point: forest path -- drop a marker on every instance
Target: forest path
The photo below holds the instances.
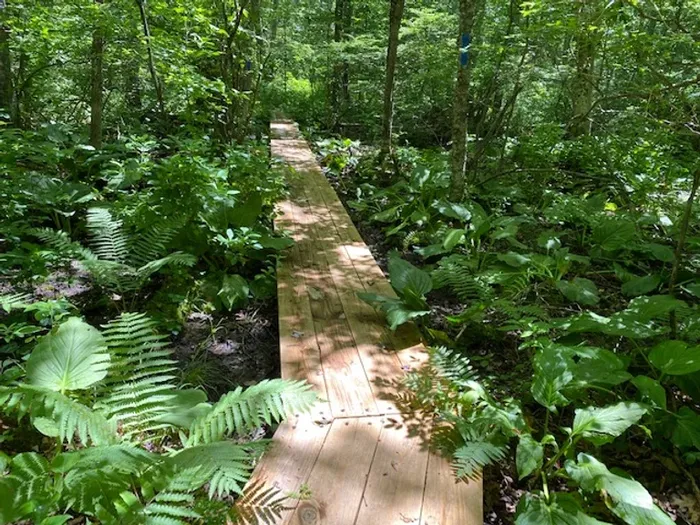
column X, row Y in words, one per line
column 361, row 456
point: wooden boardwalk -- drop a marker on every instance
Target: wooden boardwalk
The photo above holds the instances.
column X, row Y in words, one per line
column 358, row 458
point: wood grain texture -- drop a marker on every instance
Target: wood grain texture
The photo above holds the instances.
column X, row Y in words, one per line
column 338, row 478
column 360, row 457
column 441, row 487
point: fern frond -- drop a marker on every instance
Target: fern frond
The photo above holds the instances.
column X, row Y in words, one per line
column 470, row 459
column 140, row 385
column 453, row 367
column 458, row 273
column 241, row 410
column 31, row 476
column 225, row 465
column 260, row 505
column 71, row 417
column 107, row 237
column 15, row 301
column 173, row 259
column 61, row 242
column 152, row 243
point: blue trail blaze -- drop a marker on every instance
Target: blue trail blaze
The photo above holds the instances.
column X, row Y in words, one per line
column 464, row 49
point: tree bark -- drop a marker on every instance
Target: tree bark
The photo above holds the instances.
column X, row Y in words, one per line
column 151, row 62
column 96, row 87
column 395, row 16
column 467, row 15
column 340, row 81
column 5, row 62
column 582, row 87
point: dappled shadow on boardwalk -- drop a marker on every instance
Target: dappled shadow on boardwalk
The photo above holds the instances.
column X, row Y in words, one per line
column 363, row 454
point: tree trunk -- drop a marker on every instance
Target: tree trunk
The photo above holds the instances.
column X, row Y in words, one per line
column 395, row 16
column 467, row 14
column 5, row 63
column 583, row 83
column 339, row 68
column 151, row 63
column 96, row 87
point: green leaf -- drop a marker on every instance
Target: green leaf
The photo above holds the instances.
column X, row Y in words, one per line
column 549, row 240
column 598, row 366
column 452, row 239
column 528, row 456
column 651, row 390
column 514, row 259
column 234, row 290
column 73, row 357
column 404, row 275
column 454, row 211
column 614, row 234
column 633, row 515
column 675, row 358
column 246, row 214
column 658, row 251
column 601, row 424
column 553, row 371
column 387, row 215
column 594, row 476
column 276, row 243
column 641, row 285
column 562, row 509
column 397, row 314
column 580, row 290
column 686, row 433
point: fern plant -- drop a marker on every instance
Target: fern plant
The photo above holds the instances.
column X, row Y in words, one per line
column 119, row 260
column 130, row 447
column 481, row 429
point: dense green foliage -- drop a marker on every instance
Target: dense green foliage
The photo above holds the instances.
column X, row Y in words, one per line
column 549, row 254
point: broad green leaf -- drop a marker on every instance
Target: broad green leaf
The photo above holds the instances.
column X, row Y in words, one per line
column 387, row 215
column 593, row 476
column 614, row 234
column 553, row 371
column 73, row 357
column 641, row 285
column 452, row 239
column 431, row 250
column 598, row 366
column 633, row 515
column 601, row 424
column 549, row 240
column 234, row 290
column 690, row 385
column 276, row 243
column 397, row 314
column 651, row 390
column 686, row 433
column 658, row 251
column 693, row 288
column 580, row 290
column 528, row 456
column 245, row 214
column 514, row 259
column 563, row 509
column 404, row 275
column 454, row 211
column 675, row 358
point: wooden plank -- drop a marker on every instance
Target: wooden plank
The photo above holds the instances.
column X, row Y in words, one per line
column 338, row 479
column 348, row 388
column 300, row 356
column 394, row 492
column 447, row 500
column 382, row 367
column 288, row 463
